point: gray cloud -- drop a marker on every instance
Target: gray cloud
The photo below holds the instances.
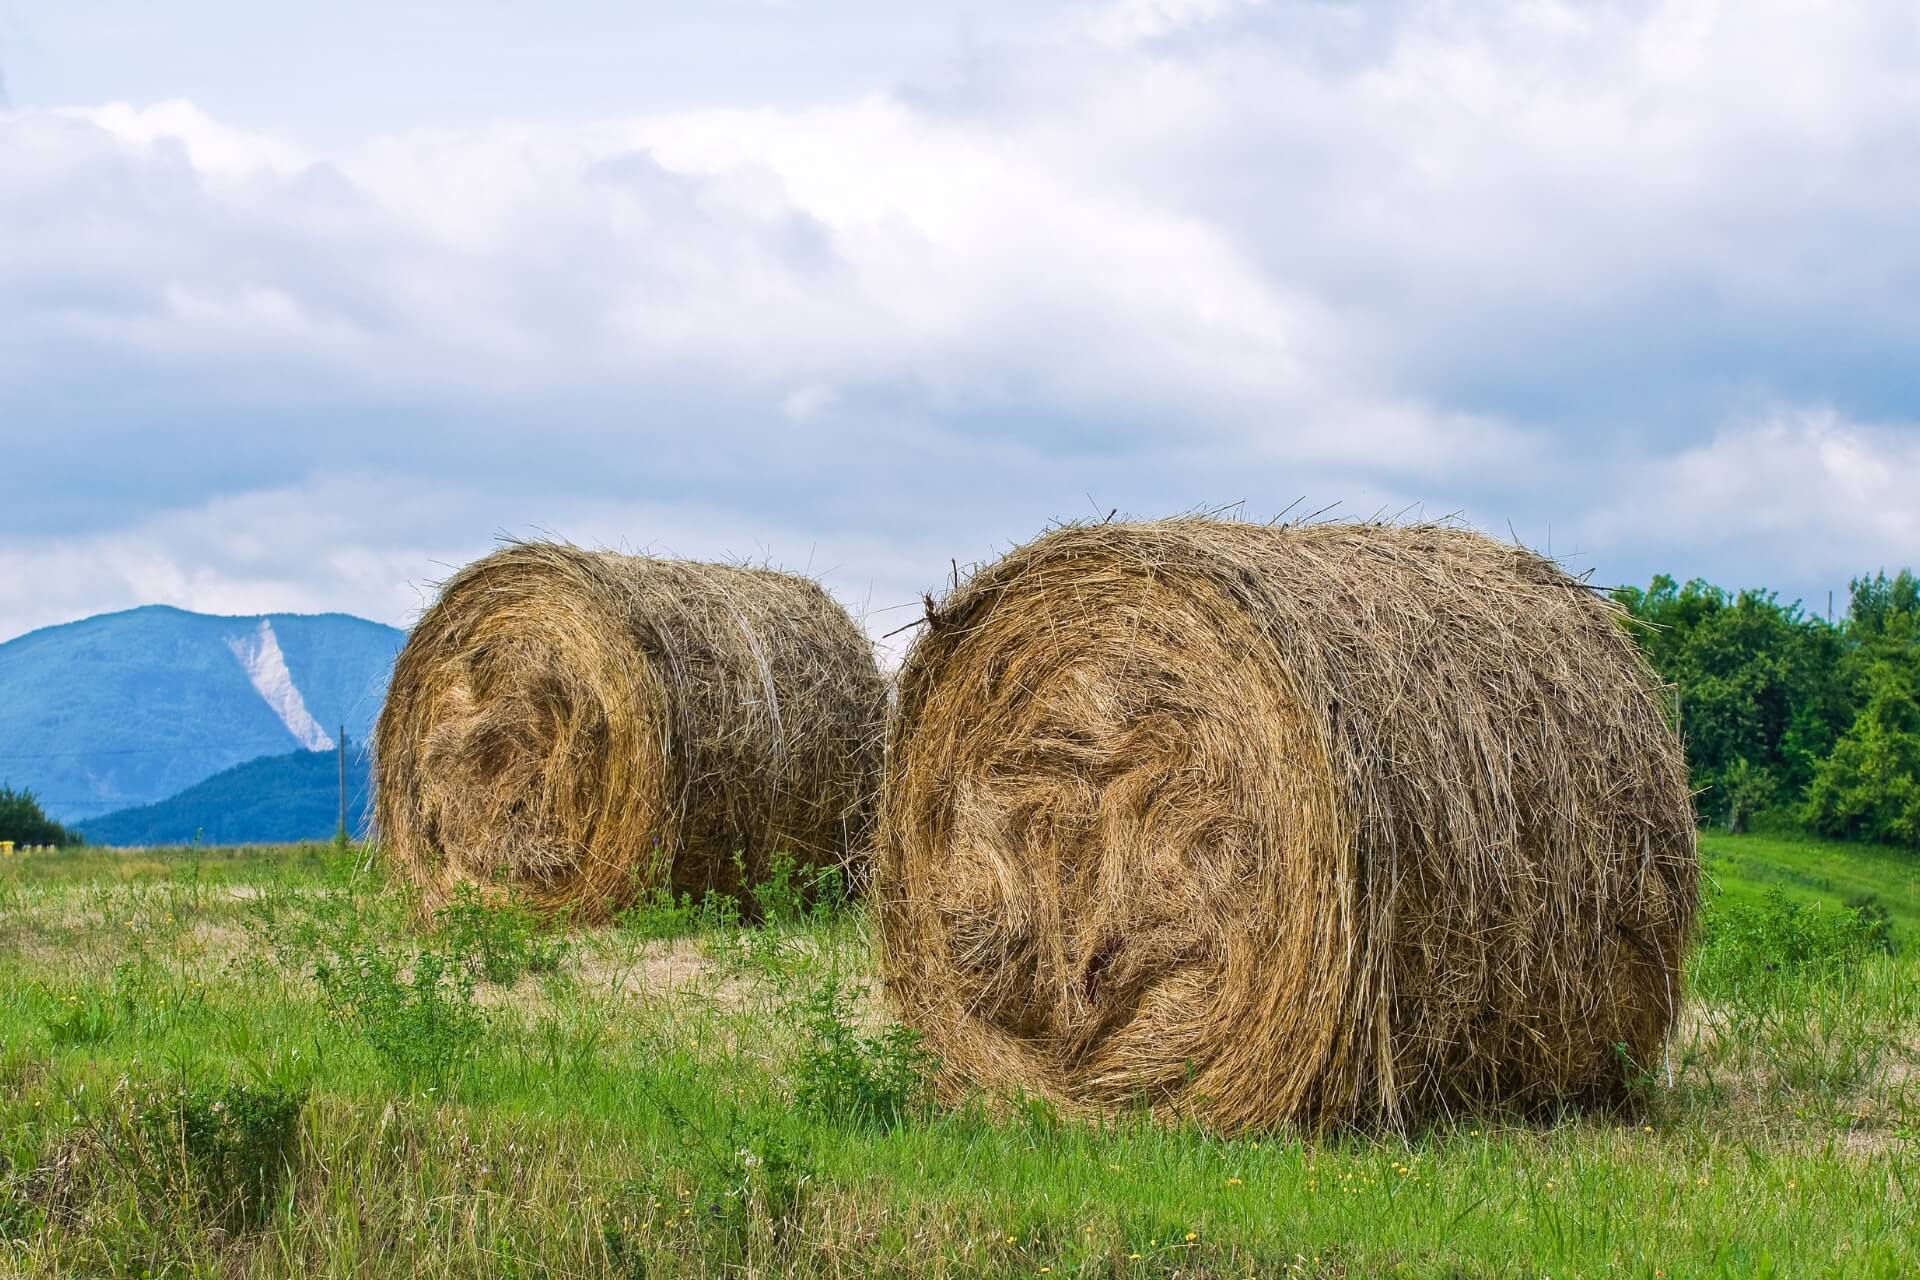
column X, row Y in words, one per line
column 1609, row 276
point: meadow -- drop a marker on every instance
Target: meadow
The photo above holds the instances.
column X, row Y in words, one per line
column 222, row 1062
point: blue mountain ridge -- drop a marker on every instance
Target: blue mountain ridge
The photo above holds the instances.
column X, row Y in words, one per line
column 130, row 708
column 272, row 800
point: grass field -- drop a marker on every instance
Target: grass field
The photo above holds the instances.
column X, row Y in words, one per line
column 231, row 1062
column 1743, row 868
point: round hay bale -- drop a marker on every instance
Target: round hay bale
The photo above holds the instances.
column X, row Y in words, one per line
column 578, row 727
column 1316, row 825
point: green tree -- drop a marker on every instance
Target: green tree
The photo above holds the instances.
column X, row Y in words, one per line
column 1869, row 787
column 1885, row 610
column 22, row 822
column 1762, row 692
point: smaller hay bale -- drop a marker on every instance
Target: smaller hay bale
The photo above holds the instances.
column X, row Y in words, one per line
column 577, row 728
column 1321, row 825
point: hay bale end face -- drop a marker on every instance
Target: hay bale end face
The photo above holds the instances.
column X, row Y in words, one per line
column 1314, row 825
column 577, row 727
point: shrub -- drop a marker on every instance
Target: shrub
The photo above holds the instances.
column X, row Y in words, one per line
column 1755, row 949
column 418, row 1017
column 227, row 1150
column 1876, row 921
column 840, row 1074
column 1748, row 789
column 793, row 892
column 497, row 943
column 83, row 1017
column 659, row 916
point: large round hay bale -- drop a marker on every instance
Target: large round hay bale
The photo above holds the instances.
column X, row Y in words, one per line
column 1317, row 825
column 578, row 727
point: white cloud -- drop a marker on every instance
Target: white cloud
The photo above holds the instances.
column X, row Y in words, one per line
column 1793, row 494
column 857, row 247
column 1535, row 262
column 217, row 152
column 1125, row 22
column 377, row 547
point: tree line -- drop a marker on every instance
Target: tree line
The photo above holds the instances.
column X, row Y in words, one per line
column 1789, row 718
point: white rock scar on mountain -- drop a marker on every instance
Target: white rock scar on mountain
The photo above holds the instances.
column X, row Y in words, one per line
column 260, row 657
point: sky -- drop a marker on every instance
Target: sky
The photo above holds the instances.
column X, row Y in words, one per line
column 301, row 310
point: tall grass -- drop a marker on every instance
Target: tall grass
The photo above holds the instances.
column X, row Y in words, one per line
column 683, row 1095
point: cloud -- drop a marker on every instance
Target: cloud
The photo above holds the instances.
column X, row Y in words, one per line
column 377, row 546
column 1606, row 273
column 1793, row 491
column 1129, row 22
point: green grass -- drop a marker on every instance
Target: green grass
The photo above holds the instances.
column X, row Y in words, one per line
column 1743, row 868
column 686, row 1096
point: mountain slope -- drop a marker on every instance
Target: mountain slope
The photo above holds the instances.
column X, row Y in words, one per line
column 266, row 801
column 129, row 708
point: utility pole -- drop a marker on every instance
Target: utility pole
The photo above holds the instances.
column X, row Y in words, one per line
column 341, row 751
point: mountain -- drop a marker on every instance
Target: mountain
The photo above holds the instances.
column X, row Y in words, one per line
column 130, row 708
column 271, row 800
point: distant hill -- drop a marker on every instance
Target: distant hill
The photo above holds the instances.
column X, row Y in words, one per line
column 130, row 708
column 266, row 801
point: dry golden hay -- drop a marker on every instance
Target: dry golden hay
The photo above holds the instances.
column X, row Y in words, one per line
column 1319, row 825
column 577, row 727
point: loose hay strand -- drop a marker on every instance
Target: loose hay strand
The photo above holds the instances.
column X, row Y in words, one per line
column 578, row 727
column 1317, row 824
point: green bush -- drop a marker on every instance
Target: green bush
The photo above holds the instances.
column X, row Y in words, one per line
column 497, row 943
column 791, row 893
column 840, row 1074
column 23, row 822
column 659, row 916
column 229, row 1148
column 1755, row 950
column 417, row 1014
column 1748, row 789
